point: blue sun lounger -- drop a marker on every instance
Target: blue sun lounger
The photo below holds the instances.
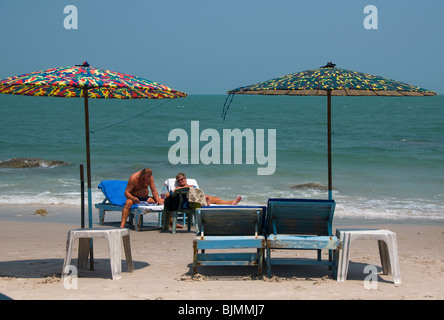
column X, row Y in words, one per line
column 301, row 224
column 224, row 230
column 114, row 192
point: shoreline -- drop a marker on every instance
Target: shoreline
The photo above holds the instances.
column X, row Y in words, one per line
column 71, row 214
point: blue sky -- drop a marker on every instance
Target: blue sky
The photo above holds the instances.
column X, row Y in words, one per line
column 211, row 46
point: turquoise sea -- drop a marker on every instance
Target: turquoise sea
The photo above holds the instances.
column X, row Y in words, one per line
column 388, row 153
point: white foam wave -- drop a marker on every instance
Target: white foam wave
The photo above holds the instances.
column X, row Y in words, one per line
column 354, row 207
column 47, row 198
column 389, row 209
column 346, row 207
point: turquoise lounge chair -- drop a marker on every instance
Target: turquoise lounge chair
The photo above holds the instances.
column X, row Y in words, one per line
column 301, row 224
column 224, row 229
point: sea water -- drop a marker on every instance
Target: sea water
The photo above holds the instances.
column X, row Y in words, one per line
column 387, row 152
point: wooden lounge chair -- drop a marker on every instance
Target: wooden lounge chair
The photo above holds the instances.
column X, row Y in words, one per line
column 224, row 229
column 114, row 192
column 301, row 224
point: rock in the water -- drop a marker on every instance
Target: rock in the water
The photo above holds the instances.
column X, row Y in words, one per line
column 30, row 163
column 310, row 185
column 41, row 212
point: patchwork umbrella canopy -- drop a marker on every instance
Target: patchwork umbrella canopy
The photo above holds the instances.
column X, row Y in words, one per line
column 70, row 82
column 87, row 82
column 330, row 81
column 341, row 82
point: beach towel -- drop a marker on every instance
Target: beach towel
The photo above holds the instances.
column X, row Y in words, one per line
column 172, row 184
column 114, row 190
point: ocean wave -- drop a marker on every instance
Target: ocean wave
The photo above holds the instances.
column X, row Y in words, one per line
column 31, row 163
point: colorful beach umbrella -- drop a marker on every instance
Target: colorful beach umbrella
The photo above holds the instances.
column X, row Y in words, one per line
column 86, row 82
column 330, row 81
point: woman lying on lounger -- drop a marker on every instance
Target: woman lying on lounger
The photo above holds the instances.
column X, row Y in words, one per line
column 182, row 182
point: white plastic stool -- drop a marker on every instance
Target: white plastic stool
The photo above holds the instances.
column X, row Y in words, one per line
column 388, row 250
column 114, row 236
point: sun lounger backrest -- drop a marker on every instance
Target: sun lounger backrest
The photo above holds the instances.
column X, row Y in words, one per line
column 171, row 183
column 230, row 220
column 300, row 216
column 114, row 191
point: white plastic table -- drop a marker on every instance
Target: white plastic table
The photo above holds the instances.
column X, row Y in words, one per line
column 388, row 250
column 114, row 236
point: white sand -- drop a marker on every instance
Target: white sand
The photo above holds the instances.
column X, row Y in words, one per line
column 32, row 253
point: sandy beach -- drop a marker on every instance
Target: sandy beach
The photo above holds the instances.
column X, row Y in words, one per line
column 32, row 253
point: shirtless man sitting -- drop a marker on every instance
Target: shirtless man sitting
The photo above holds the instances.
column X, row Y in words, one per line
column 137, row 191
column 182, row 182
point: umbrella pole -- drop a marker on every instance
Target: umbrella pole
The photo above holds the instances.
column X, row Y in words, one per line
column 88, row 174
column 82, row 198
column 88, row 158
column 330, row 195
